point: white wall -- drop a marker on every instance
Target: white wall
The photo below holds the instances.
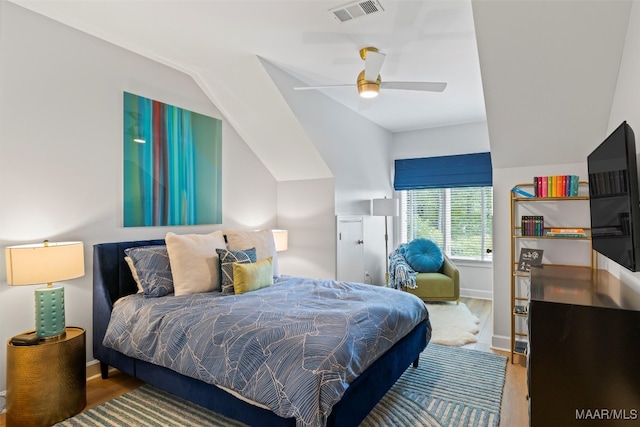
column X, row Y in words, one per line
column 540, row 113
column 476, row 278
column 358, row 154
column 61, row 153
column 626, row 106
column 306, row 209
column 442, row 141
column 548, row 73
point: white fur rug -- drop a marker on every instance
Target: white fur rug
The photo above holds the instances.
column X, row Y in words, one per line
column 453, row 324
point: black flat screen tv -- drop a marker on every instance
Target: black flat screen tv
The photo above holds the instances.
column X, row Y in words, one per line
column 614, row 199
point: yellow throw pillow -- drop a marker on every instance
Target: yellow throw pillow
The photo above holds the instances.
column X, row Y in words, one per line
column 252, row 276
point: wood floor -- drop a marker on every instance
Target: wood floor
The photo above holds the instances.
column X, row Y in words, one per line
column 514, row 403
column 515, row 410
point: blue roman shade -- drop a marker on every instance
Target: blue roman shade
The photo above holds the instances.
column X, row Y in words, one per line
column 464, row 170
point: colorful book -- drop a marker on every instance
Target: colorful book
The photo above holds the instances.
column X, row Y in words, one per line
column 567, row 230
column 579, row 235
column 558, row 186
column 561, row 185
column 532, row 225
column 570, row 180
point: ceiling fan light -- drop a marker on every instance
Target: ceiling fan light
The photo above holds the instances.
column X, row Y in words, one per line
column 370, row 90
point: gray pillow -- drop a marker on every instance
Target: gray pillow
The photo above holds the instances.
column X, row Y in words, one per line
column 153, row 268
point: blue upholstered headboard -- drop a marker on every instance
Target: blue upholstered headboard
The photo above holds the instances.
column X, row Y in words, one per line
column 112, row 279
column 110, row 270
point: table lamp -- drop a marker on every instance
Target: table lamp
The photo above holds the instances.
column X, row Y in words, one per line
column 281, row 237
column 386, row 208
column 46, row 263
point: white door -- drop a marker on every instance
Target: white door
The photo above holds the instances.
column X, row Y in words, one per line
column 350, row 251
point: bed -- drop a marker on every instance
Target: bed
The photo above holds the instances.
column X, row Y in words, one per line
column 112, row 280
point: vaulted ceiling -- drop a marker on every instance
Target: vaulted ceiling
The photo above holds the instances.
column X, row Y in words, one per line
column 223, row 44
column 423, row 41
column 546, row 70
column 549, row 70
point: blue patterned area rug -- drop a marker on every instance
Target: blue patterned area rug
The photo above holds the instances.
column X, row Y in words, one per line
column 451, row 387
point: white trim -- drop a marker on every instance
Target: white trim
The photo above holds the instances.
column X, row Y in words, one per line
column 471, row 262
column 499, row 342
column 477, row 294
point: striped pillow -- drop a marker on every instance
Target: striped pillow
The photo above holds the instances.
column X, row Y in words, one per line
column 227, row 258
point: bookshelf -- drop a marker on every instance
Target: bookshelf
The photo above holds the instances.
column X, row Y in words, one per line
column 544, row 230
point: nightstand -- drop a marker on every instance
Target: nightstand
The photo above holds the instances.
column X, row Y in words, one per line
column 46, row 382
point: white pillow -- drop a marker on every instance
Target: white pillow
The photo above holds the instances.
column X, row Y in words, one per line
column 134, row 273
column 194, row 261
column 262, row 240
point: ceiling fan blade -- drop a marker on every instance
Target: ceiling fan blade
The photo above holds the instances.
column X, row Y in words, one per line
column 322, row 86
column 424, row 86
column 373, row 65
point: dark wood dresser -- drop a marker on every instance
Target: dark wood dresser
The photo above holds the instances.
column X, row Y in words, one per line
column 584, row 349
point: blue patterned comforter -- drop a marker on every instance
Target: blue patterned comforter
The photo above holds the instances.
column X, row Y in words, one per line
column 294, row 346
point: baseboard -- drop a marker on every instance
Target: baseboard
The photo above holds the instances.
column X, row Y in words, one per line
column 93, row 369
column 499, row 342
column 475, row 293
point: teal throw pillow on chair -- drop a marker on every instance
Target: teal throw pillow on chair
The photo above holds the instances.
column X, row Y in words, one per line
column 424, row 256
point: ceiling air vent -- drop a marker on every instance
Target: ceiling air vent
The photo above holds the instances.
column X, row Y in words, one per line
column 356, row 10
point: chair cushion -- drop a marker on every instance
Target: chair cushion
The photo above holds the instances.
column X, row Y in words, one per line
column 424, row 255
column 433, row 286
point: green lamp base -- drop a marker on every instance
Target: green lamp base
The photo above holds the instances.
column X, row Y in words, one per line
column 50, row 312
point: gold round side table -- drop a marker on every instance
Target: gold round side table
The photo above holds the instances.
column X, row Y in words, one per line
column 46, row 382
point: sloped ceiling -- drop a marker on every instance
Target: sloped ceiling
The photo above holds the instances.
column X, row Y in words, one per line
column 549, row 70
column 262, row 117
column 218, row 42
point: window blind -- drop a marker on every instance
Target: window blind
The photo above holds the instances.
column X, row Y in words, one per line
column 463, row 170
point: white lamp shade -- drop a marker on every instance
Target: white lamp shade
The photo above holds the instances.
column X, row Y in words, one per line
column 44, row 263
column 281, row 238
column 385, row 207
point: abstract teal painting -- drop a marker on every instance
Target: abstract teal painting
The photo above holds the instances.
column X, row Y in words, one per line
column 172, row 165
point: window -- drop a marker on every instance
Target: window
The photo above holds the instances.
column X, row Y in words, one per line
column 458, row 219
column 448, row 199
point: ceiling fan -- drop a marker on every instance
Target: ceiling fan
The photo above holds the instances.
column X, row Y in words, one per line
column 369, row 81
